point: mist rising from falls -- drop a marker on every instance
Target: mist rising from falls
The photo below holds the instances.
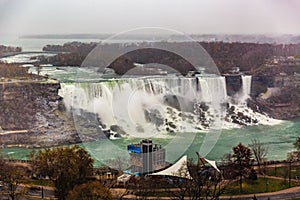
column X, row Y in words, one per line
column 145, row 107
column 239, row 114
column 150, row 106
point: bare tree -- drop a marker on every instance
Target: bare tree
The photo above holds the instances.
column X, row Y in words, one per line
column 11, row 177
column 145, row 188
column 259, row 151
column 198, row 182
column 119, row 163
column 297, row 144
column 295, row 155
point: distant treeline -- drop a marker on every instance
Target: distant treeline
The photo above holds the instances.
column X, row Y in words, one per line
column 246, row 56
column 7, row 49
column 13, row 71
column 71, row 54
column 243, row 38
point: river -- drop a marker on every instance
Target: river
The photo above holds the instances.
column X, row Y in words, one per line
column 278, row 138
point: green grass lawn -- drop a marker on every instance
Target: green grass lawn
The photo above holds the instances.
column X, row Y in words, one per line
column 38, row 182
column 284, row 172
column 258, row 186
column 249, row 187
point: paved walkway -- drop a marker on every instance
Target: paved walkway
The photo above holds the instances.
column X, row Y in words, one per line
column 13, row 132
column 290, row 193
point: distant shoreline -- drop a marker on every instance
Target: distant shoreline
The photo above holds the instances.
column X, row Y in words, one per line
column 66, row 36
column 247, row 38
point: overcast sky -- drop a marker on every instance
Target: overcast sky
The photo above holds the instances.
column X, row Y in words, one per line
column 113, row 16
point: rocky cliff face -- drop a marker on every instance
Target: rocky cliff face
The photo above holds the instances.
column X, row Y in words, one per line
column 31, row 113
column 233, row 84
column 22, row 101
column 282, row 105
column 275, row 91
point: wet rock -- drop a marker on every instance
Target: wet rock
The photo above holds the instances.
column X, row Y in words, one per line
column 172, row 125
column 204, row 107
column 153, row 116
column 180, row 103
column 107, row 133
column 117, row 135
column 119, row 130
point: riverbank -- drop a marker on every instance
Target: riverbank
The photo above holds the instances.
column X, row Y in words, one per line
column 278, row 138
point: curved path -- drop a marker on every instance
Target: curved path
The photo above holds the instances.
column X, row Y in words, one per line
column 290, row 193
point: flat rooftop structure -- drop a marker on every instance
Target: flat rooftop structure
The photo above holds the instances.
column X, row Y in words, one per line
column 137, row 148
column 146, row 157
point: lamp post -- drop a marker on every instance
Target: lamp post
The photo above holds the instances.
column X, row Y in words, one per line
column 267, row 184
column 290, row 170
column 42, row 192
column 275, row 169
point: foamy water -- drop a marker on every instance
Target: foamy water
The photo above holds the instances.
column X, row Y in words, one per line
column 124, row 102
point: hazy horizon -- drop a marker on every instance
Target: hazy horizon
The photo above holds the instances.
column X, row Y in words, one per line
column 129, row 34
column 23, row 17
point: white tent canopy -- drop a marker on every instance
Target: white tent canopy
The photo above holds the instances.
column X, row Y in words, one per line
column 212, row 163
column 204, row 161
column 178, row 169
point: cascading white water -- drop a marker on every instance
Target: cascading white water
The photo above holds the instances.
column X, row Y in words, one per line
column 144, row 107
column 213, row 89
column 246, row 88
column 124, row 102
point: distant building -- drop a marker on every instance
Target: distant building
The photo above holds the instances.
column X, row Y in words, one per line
column 146, row 157
column 283, row 60
column 105, row 174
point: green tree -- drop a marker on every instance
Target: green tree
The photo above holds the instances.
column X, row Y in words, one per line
column 90, row 191
column 240, row 163
column 65, row 166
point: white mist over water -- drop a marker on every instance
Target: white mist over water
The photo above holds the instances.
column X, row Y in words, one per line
column 169, row 101
column 239, row 103
column 101, row 97
column 154, row 106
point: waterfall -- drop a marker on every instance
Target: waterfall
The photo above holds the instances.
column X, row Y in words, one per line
column 213, row 89
column 142, row 106
column 246, row 88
